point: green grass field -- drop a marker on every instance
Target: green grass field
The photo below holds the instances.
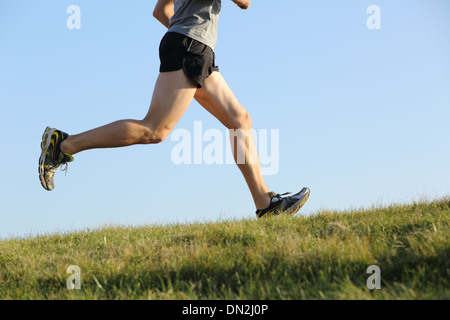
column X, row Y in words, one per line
column 324, row 256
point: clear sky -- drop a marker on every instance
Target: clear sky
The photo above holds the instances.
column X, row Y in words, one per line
column 363, row 115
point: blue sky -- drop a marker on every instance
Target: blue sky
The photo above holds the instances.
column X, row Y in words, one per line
column 362, row 114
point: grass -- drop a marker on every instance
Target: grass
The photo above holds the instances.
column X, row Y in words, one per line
column 324, row 256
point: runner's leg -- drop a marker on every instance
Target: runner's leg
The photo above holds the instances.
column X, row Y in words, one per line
column 217, row 98
column 171, row 97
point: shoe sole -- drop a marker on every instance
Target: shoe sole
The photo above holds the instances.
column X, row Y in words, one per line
column 297, row 206
column 45, row 143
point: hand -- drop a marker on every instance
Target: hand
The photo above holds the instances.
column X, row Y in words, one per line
column 243, row 4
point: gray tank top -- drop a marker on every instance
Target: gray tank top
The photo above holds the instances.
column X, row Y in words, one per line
column 197, row 19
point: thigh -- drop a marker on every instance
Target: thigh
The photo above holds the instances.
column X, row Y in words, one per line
column 172, row 95
column 218, row 99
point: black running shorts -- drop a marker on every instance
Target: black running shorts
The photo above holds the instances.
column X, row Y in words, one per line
column 178, row 51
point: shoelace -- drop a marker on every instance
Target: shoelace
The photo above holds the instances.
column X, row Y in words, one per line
column 278, row 195
column 65, row 169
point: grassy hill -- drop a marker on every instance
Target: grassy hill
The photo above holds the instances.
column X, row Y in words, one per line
column 324, row 256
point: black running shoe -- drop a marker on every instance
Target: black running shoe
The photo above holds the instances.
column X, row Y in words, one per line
column 51, row 156
column 284, row 205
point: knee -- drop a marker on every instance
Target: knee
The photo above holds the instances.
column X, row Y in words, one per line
column 242, row 120
column 154, row 136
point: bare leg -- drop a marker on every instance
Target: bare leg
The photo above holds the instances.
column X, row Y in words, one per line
column 216, row 97
column 171, row 97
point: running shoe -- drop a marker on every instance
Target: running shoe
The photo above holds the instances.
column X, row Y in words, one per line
column 52, row 157
column 284, row 205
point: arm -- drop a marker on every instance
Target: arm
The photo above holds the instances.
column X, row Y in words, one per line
column 163, row 11
column 243, row 4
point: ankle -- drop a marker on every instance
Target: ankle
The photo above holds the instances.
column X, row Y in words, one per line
column 65, row 147
column 264, row 202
